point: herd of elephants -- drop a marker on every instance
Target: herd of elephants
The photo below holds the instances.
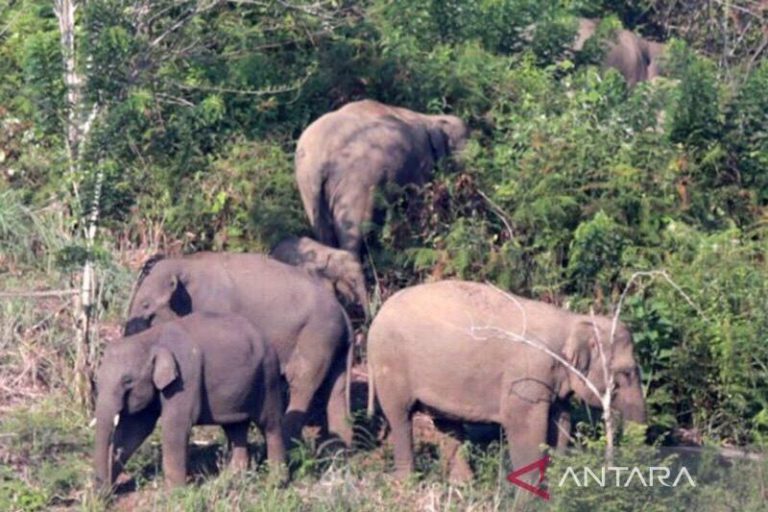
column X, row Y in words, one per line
column 217, row 338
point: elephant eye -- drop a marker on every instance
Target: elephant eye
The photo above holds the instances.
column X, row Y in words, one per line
column 126, row 380
column 145, row 304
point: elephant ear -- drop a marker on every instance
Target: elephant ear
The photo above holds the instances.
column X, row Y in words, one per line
column 581, row 347
column 164, row 370
column 438, row 142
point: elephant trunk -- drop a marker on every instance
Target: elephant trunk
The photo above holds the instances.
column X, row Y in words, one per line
column 634, row 413
column 361, row 295
column 103, row 460
column 631, row 404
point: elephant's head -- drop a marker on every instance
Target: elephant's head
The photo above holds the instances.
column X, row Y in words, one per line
column 340, row 268
column 582, row 350
column 447, row 135
column 128, row 380
column 161, row 294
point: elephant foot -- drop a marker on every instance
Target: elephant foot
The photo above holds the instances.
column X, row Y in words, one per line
column 402, row 475
column 279, row 475
column 461, row 473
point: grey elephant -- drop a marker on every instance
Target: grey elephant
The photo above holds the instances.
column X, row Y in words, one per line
column 452, row 349
column 654, row 54
column 344, row 157
column 339, row 268
column 297, row 314
column 202, row 369
column 636, row 58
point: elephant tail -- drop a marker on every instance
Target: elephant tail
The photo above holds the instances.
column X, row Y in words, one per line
column 371, row 392
column 350, row 362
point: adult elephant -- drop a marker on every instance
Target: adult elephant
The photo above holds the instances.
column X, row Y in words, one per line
column 637, row 59
column 345, row 156
column 297, row 314
column 454, row 349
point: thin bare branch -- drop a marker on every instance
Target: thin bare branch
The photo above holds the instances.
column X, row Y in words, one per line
column 538, row 346
column 500, row 213
column 38, row 293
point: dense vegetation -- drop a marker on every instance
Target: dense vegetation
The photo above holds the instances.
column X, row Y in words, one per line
column 571, row 184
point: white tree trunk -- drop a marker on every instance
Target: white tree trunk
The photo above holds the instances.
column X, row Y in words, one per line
column 65, row 13
column 76, row 134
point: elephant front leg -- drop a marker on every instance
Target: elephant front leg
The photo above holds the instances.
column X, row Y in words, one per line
column 132, row 431
column 559, row 430
column 237, row 436
column 175, row 444
column 526, row 428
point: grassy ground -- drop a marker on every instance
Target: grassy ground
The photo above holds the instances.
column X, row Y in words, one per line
column 45, row 454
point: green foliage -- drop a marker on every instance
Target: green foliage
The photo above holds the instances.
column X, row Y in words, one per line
column 595, row 252
column 53, row 445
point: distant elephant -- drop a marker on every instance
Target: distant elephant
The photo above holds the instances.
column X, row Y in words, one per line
column 202, row 369
column 339, row 268
column 637, row 59
column 654, row 53
column 295, row 311
column 441, row 348
column 345, row 156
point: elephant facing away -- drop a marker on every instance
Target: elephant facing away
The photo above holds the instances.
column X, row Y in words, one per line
column 340, row 269
column 636, row 58
column 202, row 369
column 297, row 314
column 345, row 156
column 441, row 348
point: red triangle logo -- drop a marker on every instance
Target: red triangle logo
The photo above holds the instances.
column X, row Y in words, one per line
column 541, row 465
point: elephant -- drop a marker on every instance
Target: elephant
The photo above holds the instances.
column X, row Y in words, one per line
column 654, row 53
column 340, row 269
column 201, row 369
column 298, row 315
column 636, row 58
column 452, row 349
column 344, row 157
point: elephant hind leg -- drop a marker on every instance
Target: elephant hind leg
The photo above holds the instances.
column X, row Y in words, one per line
column 237, row 437
column 339, row 423
column 323, row 226
column 304, row 376
column 397, row 406
column 455, row 465
column 352, row 216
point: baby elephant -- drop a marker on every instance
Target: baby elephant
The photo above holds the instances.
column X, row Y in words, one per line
column 201, row 369
column 338, row 267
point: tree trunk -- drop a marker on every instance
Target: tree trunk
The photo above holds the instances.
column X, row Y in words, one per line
column 76, row 133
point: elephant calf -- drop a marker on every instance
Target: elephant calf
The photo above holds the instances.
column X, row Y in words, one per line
column 339, row 268
column 454, row 349
column 202, row 369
